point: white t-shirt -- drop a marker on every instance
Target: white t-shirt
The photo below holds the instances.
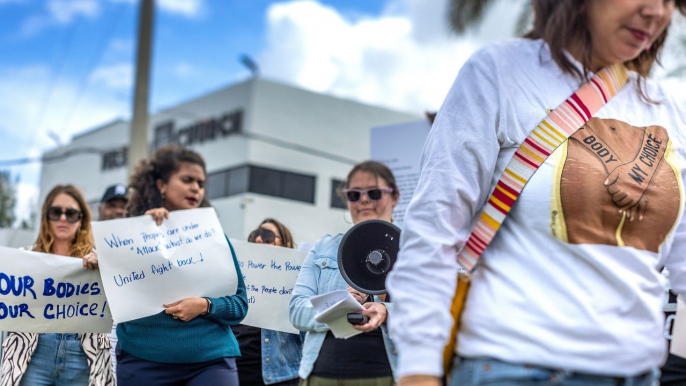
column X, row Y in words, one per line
column 568, row 282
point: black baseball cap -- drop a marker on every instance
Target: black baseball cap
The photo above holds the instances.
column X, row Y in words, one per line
column 114, row 192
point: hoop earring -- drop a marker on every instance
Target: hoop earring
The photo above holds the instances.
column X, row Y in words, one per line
column 345, row 219
column 163, row 196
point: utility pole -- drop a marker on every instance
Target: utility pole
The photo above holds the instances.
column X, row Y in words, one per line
column 138, row 147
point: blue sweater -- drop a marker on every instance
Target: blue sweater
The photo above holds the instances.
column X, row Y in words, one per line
column 161, row 338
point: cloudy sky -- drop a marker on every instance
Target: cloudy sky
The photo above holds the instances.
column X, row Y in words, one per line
column 67, row 65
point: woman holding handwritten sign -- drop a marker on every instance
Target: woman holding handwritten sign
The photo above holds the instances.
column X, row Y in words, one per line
column 60, row 359
column 268, row 357
column 365, row 359
column 191, row 342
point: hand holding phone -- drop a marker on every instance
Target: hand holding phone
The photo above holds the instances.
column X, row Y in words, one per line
column 357, row 318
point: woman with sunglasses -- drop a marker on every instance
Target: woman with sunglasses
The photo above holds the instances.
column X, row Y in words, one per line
column 190, row 343
column 268, row 357
column 60, row 359
column 272, row 232
column 365, row 359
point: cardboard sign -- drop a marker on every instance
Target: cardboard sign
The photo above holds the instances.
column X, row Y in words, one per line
column 144, row 266
column 41, row 292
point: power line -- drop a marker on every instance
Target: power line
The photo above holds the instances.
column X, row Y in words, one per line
column 105, row 37
column 34, row 128
column 253, row 136
column 54, row 158
column 54, row 77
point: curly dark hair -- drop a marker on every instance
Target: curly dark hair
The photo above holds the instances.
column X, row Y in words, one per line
column 144, row 194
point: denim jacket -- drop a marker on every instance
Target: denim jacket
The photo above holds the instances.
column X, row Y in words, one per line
column 319, row 274
column 281, row 353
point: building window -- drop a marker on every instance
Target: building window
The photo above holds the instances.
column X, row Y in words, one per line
column 265, row 181
column 216, row 185
column 336, row 200
column 257, row 179
column 228, row 182
column 114, row 159
column 164, row 134
column 238, row 181
column 297, row 187
column 277, row 183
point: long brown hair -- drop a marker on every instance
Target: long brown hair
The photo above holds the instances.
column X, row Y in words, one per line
column 286, row 237
column 562, row 24
column 144, row 194
column 378, row 170
column 83, row 242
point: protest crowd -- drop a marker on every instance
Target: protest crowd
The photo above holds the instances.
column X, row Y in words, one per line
column 565, row 288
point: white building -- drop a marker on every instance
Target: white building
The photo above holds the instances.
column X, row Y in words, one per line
column 271, row 150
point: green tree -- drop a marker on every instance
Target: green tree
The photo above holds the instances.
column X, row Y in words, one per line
column 7, row 200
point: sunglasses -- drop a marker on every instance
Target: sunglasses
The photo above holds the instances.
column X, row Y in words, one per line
column 374, row 194
column 267, row 236
column 56, row 212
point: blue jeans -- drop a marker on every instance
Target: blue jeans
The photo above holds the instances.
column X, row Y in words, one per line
column 492, row 372
column 58, row 360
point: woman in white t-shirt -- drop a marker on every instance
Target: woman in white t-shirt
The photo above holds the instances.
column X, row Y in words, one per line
column 569, row 291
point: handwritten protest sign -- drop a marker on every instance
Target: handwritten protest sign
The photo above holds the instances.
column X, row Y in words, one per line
column 270, row 273
column 144, row 266
column 40, row 292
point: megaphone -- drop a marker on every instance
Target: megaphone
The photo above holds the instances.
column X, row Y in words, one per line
column 367, row 253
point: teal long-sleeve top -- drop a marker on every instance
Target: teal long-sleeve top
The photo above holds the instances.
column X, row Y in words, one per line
column 161, row 338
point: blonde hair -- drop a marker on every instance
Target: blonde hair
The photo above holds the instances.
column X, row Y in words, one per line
column 83, row 242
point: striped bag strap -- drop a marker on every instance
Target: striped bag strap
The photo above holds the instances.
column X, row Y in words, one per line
column 548, row 135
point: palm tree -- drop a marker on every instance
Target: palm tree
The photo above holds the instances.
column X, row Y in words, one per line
column 464, row 14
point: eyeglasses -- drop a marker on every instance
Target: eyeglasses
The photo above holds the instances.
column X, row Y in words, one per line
column 374, row 194
column 56, row 212
column 267, row 236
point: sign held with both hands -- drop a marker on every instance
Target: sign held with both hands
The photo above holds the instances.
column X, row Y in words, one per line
column 144, row 266
column 45, row 293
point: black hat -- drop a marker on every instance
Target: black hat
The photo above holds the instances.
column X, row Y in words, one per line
column 113, row 192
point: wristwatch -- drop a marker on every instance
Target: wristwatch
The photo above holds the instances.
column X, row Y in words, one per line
column 209, row 306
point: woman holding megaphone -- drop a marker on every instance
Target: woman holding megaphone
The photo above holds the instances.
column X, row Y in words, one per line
column 365, row 359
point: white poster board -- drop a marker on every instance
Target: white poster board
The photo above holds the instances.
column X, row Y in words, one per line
column 400, row 148
column 144, row 266
column 678, row 346
column 270, row 273
column 41, row 292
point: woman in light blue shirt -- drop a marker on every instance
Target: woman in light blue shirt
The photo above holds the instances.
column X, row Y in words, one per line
column 365, row 359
